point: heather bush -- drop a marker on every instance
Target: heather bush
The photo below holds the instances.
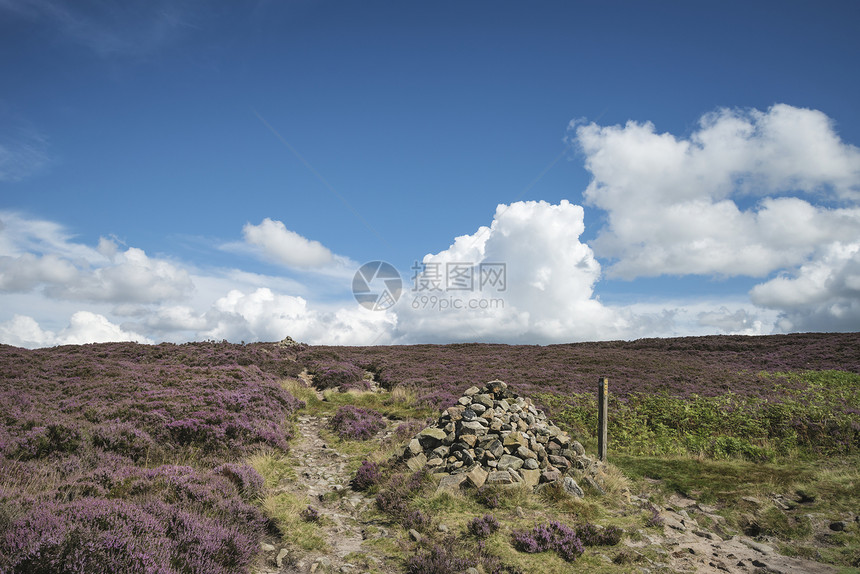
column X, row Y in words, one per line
column 78, row 420
column 394, row 496
column 438, row 559
column 417, row 520
column 310, row 514
column 331, row 374
column 483, row 526
column 551, row 536
column 655, row 520
column 355, row 423
column 593, row 535
column 124, row 439
column 488, row 496
column 93, row 535
column 247, row 480
column 367, row 476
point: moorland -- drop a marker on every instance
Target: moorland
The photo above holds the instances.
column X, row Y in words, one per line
column 283, row 457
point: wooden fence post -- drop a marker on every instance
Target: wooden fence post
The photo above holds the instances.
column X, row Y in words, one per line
column 602, row 412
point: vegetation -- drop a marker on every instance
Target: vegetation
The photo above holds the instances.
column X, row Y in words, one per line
column 174, row 452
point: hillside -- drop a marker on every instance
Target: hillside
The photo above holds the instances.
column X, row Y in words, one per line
column 726, row 454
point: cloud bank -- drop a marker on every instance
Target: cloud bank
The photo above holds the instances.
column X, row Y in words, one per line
column 769, row 195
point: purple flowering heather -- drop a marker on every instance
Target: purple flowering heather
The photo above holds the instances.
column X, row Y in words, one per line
column 355, row 423
column 551, row 536
column 85, row 431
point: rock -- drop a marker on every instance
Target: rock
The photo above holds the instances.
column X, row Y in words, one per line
column 550, row 475
column 417, row 462
column 471, row 391
column 516, row 439
column 531, row 464
column 414, row 446
column 477, row 476
column 577, row 447
column 559, row 462
column 507, row 461
column 443, row 528
column 465, row 401
column 499, row 477
column 431, row 432
column 415, row 535
column 571, row 487
column 837, row 526
column 266, row 547
column 451, row 483
column 526, row 453
column 279, row 560
column 530, row 477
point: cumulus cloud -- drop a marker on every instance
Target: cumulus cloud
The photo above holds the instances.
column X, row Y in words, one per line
column 737, row 322
column 821, row 295
column 38, row 254
column 676, row 205
column 263, row 315
column 286, row 247
column 549, row 282
column 83, row 327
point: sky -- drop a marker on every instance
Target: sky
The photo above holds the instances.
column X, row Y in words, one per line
column 401, row 172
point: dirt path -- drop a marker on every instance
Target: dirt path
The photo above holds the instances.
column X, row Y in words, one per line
column 322, row 471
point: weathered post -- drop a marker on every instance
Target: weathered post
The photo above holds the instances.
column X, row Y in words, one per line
column 602, row 412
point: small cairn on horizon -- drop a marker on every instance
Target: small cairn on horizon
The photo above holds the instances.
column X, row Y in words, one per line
column 495, row 437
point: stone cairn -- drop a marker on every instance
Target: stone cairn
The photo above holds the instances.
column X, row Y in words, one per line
column 495, row 437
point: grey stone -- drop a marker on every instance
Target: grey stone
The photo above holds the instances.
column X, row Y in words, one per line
column 571, row 487
column 550, row 475
column 451, row 483
column 471, row 391
column 499, row 477
column 507, row 461
column 279, row 559
column 417, row 462
column 531, row 464
column 484, row 399
column 577, row 447
column 432, row 432
column 525, row 453
column 465, row 401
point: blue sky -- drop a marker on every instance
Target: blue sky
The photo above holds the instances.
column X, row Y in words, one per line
column 203, row 170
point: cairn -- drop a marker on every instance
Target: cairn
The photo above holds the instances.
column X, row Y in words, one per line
column 495, row 437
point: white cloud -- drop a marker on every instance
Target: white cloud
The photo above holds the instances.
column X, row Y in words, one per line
column 286, row 247
column 262, row 315
column 549, row 291
column 737, row 322
column 672, row 203
column 40, row 254
column 84, row 327
column 823, row 294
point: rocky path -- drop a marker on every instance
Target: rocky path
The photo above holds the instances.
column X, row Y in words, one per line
column 691, row 547
column 322, row 476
